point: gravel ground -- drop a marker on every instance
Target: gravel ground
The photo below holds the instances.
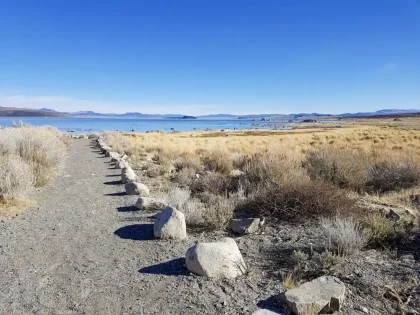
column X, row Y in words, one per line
column 84, row 250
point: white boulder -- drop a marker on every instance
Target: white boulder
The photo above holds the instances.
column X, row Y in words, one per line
column 148, row 203
column 221, row 259
column 120, row 164
column 128, row 175
column 170, row 224
column 322, row 295
column 133, row 188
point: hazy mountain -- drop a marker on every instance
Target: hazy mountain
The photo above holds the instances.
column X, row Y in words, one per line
column 382, row 112
column 27, row 112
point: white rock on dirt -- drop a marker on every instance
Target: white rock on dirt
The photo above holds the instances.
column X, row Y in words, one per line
column 245, row 226
column 322, row 295
column 120, row 164
column 114, row 156
column 170, row 224
column 134, row 188
column 221, row 259
column 148, row 203
column 128, row 175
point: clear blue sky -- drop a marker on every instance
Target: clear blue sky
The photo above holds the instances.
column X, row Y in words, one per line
column 200, row 57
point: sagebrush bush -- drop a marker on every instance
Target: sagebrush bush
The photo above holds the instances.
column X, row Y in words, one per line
column 42, row 148
column 393, row 175
column 215, row 183
column 187, row 160
column 343, row 236
column 301, row 199
column 342, row 167
column 219, row 211
column 218, row 160
column 381, row 231
column 16, row 177
column 185, row 177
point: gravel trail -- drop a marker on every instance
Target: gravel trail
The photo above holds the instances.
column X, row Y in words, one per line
column 84, row 250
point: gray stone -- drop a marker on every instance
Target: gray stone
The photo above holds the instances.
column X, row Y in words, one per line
column 128, row 175
column 170, row 224
column 148, row 203
column 221, row 259
column 245, row 226
column 120, row 164
column 323, row 295
column 134, row 188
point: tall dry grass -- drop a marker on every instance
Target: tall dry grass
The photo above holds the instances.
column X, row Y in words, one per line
column 29, row 157
column 288, row 174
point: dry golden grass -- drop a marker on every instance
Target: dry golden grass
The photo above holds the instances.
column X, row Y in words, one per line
column 13, row 206
column 358, row 149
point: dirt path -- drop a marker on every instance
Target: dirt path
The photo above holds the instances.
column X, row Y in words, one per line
column 84, row 250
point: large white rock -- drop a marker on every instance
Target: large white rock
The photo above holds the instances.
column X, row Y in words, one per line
column 323, row 295
column 220, row 259
column 134, row 188
column 170, row 224
column 120, row 164
column 128, row 175
column 148, row 203
column 114, row 156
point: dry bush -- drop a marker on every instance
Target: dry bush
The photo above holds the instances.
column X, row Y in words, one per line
column 345, row 168
column 218, row 160
column 16, row 177
column 301, row 199
column 219, row 211
column 215, row 183
column 118, row 142
column 381, row 231
column 43, row 148
column 192, row 208
column 185, row 177
column 343, row 236
column 190, row 161
column 393, row 175
column 312, row 266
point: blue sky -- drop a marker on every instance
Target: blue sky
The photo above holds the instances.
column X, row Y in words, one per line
column 200, row 57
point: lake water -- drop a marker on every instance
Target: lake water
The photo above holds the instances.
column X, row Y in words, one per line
column 85, row 125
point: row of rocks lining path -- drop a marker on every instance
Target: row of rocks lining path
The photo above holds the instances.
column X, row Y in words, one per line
column 85, row 250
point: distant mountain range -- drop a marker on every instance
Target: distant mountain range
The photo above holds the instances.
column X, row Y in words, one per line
column 46, row 112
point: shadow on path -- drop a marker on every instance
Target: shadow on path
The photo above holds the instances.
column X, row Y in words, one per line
column 114, row 175
column 137, row 232
column 116, row 182
column 127, row 209
column 116, row 194
column 173, row 267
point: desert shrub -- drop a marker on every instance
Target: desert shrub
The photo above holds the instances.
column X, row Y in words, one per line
column 308, row 267
column 393, row 175
column 16, row 177
column 264, row 168
column 219, row 211
column 118, row 142
column 178, row 197
column 344, row 168
column 381, row 231
column 301, row 199
column 343, row 236
column 215, row 183
column 239, row 160
column 190, row 161
column 185, row 177
column 217, row 160
column 42, row 148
